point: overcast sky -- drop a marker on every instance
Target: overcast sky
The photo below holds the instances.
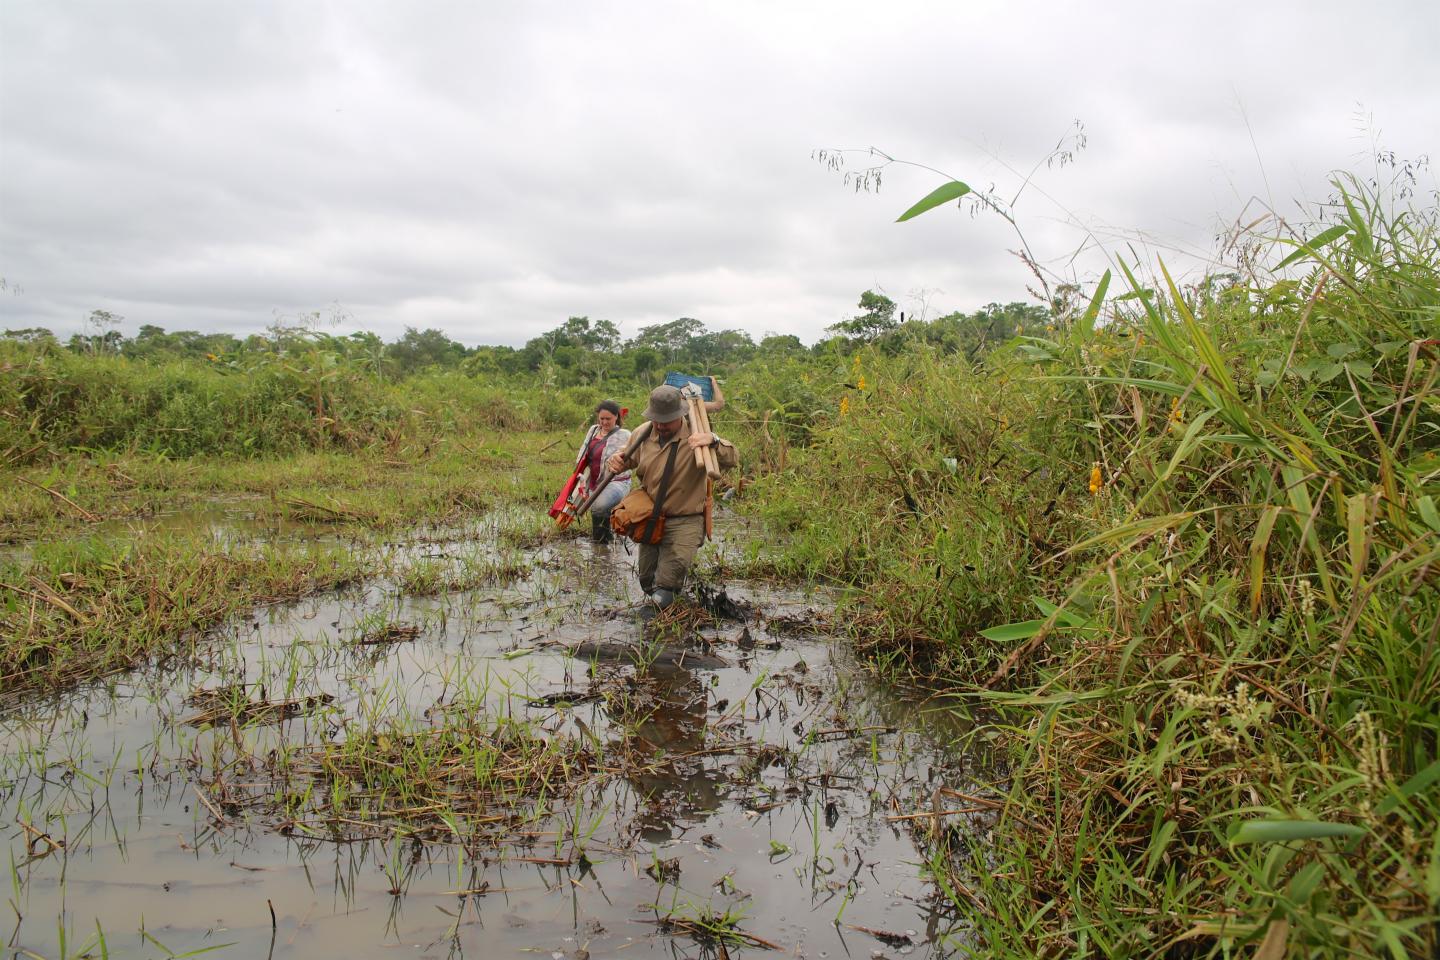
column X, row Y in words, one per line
column 493, row 168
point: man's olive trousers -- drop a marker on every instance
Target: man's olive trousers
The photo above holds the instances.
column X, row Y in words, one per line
column 664, row 565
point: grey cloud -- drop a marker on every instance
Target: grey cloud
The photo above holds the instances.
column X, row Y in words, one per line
column 493, row 169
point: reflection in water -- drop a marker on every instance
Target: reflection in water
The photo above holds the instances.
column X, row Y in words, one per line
column 663, row 717
column 767, row 782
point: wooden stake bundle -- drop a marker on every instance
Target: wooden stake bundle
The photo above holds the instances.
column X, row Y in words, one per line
column 700, row 422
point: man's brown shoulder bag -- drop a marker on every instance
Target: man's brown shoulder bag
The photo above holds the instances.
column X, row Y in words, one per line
column 637, row 515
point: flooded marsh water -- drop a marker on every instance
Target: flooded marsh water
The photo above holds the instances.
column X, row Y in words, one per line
column 422, row 766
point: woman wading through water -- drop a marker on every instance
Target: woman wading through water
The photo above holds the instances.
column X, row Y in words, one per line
column 606, row 438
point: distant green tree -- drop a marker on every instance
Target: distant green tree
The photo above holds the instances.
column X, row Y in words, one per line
column 781, row 344
column 710, row 350
column 366, row 350
column 973, row 334
column 645, row 363
column 100, row 336
column 509, row 360
column 580, row 332
column 877, row 318
column 577, row 344
column 603, row 337
column 257, row 343
column 417, row 349
column 30, row 335
column 672, row 339
column 153, row 343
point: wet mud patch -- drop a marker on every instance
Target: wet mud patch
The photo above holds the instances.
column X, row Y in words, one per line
column 511, row 766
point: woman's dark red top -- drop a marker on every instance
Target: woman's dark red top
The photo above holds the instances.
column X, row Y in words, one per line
column 594, row 454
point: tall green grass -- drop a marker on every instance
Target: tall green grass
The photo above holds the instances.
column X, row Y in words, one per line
column 1187, row 547
column 54, row 401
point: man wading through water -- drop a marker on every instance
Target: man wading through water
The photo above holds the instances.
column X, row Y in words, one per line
column 663, row 566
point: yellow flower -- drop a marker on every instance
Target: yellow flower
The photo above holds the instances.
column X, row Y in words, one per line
column 844, row 406
column 211, row 357
column 861, row 382
column 1095, row 479
column 1177, row 415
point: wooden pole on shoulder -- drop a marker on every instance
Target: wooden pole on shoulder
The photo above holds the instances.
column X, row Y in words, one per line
column 700, row 422
column 712, row 465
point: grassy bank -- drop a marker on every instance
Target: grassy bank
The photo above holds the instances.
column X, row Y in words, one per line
column 130, row 556
column 1187, row 546
column 441, row 481
column 54, row 402
column 88, row 608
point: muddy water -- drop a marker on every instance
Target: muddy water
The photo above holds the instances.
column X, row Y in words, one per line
column 777, row 791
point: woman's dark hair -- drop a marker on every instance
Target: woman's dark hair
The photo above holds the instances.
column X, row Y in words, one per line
column 612, row 407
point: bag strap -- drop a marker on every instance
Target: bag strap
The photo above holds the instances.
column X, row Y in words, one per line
column 664, row 488
column 585, row 448
column 636, row 436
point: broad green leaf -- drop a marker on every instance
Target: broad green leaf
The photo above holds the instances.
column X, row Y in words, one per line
column 1155, row 324
column 1281, row 831
column 1313, row 245
column 1305, row 882
column 1360, row 369
column 1429, row 513
column 1359, row 223
column 1158, row 843
column 1205, row 347
column 953, row 190
column 1135, row 528
column 1159, row 386
column 1062, row 616
column 1357, row 529
column 1409, row 788
column 1295, row 487
column 1021, row 630
column 1086, row 323
column 1186, row 446
column 1263, row 530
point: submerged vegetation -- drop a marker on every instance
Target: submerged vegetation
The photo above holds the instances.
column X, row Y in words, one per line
column 92, row 607
column 1176, row 545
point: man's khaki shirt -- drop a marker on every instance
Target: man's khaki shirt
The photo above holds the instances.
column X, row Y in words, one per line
column 686, row 495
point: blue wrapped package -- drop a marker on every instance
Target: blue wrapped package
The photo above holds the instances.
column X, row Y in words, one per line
column 683, row 380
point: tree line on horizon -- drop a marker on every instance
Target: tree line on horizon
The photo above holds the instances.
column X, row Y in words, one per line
column 578, row 351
